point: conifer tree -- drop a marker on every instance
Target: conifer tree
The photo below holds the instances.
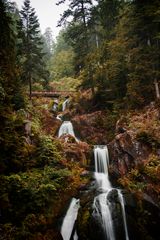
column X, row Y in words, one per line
column 77, row 28
column 7, row 53
column 34, row 66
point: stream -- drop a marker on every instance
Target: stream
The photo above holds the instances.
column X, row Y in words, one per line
column 102, row 204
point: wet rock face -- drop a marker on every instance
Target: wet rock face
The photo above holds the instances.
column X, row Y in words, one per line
column 126, row 153
column 89, row 224
column 89, row 127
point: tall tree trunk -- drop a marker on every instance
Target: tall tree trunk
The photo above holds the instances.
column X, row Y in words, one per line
column 157, row 89
column 84, row 23
column 157, row 97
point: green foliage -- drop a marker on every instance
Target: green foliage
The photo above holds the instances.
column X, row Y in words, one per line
column 77, row 31
column 136, row 67
column 47, row 152
column 9, row 72
column 109, row 123
column 19, row 101
column 67, row 84
column 12, row 143
column 32, row 192
column 37, row 87
column 61, row 63
column 120, row 49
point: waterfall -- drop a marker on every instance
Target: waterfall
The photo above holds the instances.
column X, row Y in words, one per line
column 66, row 128
column 102, row 205
column 120, row 196
column 101, row 159
column 64, row 105
column 55, row 106
column 69, row 220
column 59, row 117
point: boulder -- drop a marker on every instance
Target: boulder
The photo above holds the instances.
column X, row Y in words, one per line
column 76, row 151
column 50, row 123
column 89, row 127
column 126, row 153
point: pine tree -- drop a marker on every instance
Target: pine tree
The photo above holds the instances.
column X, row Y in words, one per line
column 104, row 17
column 8, row 73
column 34, row 66
column 7, row 41
column 77, row 29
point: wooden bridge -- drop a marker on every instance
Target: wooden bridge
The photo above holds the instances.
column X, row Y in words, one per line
column 53, row 94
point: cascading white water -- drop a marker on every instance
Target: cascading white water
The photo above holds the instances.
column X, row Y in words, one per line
column 55, row 106
column 59, row 117
column 64, row 105
column 101, row 167
column 101, row 159
column 66, row 128
column 102, row 208
column 120, row 196
column 101, row 203
column 69, row 220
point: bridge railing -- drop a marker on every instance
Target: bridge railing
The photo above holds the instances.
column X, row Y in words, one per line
column 51, row 93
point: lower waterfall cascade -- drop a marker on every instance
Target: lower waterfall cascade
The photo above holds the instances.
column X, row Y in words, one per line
column 120, row 196
column 102, row 204
column 67, row 228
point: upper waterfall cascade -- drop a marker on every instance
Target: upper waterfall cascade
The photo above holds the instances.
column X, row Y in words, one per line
column 64, row 105
column 66, row 128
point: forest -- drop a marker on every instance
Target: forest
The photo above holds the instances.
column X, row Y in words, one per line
column 84, row 162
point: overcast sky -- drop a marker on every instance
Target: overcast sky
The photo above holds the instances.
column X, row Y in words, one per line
column 47, row 12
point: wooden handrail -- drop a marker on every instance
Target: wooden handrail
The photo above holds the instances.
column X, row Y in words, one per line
column 50, row 93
